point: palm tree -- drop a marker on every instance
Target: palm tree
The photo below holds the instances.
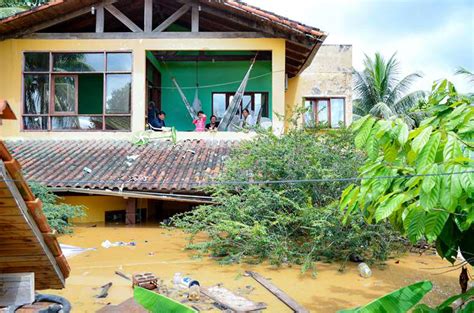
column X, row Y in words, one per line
column 381, row 93
column 468, row 74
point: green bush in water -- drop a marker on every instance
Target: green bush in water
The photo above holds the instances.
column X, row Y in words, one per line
column 58, row 214
column 289, row 222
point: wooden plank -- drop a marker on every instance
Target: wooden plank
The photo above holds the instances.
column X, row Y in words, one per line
column 9, row 210
column 232, row 301
column 122, row 18
column 148, row 16
column 173, row 18
column 152, row 35
column 9, row 201
column 17, row 289
column 280, row 294
column 195, row 19
column 99, row 19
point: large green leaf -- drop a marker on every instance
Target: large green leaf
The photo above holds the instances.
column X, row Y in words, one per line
column 414, row 224
column 364, row 133
column 399, row 301
column 428, row 152
column 420, row 141
column 156, row 303
column 403, row 134
column 388, row 207
column 435, row 221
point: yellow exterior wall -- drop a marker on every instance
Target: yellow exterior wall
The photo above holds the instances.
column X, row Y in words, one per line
column 329, row 75
column 96, row 206
column 11, row 55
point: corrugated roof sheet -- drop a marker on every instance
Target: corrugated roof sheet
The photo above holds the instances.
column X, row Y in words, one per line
column 159, row 166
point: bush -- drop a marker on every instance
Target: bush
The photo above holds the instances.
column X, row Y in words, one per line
column 58, row 214
column 290, row 222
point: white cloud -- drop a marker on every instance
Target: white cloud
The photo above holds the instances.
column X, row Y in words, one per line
column 429, row 36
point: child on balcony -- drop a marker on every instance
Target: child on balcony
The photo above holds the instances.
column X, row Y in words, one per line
column 200, row 122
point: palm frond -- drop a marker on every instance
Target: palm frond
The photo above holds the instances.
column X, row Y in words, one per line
column 401, row 87
column 407, row 102
column 463, row 71
column 382, row 110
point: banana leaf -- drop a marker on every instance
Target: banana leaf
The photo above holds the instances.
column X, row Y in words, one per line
column 399, row 301
column 156, row 303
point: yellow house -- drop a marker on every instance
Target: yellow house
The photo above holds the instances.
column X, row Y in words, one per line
column 86, row 77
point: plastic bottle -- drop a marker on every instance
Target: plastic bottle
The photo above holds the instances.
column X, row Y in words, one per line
column 194, row 293
column 364, row 270
column 183, row 282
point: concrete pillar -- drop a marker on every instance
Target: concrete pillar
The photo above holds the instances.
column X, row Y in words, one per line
column 130, row 215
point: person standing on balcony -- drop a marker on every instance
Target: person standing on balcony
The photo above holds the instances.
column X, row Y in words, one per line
column 200, row 122
column 213, row 124
column 247, row 119
column 156, row 119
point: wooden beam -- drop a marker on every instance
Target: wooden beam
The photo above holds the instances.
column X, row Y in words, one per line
column 123, row 18
column 148, row 14
column 152, row 35
column 280, row 294
column 173, row 18
column 217, row 58
column 195, row 19
column 99, row 19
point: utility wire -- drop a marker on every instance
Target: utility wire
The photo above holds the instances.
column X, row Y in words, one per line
column 235, row 182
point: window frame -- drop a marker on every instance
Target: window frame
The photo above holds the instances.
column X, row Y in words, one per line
column 314, row 106
column 51, row 73
column 229, row 94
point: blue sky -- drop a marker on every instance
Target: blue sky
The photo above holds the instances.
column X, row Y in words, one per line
column 432, row 37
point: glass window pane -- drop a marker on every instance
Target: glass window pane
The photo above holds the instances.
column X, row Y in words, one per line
column 309, row 113
column 78, row 62
column 76, row 122
column 35, row 122
column 119, row 62
column 36, row 94
column 337, row 112
column 117, row 123
column 65, row 94
column 247, row 103
column 118, row 93
column 218, row 105
column 322, row 111
column 36, row 62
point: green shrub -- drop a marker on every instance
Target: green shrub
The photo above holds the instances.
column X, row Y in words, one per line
column 289, row 222
column 58, row 214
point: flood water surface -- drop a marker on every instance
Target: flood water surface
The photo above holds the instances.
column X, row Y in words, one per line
column 161, row 251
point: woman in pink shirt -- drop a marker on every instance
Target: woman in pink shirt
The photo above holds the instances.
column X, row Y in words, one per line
column 200, row 122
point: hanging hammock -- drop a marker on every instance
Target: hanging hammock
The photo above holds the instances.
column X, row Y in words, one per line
column 230, row 112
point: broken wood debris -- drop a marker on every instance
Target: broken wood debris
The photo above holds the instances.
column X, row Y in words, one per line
column 228, row 299
column 123, row 275
column 104, row 292
column 280, row 294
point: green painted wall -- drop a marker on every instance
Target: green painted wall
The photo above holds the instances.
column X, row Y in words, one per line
column 210, row 73
column 91, row 92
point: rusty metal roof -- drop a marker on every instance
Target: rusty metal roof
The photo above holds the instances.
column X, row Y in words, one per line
column 160, row 166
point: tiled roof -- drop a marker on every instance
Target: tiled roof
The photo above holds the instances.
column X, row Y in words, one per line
column 28, row 243
column 159, row 166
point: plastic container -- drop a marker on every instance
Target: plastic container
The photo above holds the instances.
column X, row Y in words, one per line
column 364, row 270
column 183, row 282
column 194, row 293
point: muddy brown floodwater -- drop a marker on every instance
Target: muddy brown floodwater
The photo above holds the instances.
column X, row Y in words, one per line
column 161, row 251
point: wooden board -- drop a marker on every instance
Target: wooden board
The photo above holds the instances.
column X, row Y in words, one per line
column 280, row 294
column 232, row 301
column 17, row 289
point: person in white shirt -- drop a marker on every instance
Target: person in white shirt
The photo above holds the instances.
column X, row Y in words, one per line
column 247, row 119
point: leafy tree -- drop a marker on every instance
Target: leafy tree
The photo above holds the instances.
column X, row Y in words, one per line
column 292, row 222
column 12, row 7
column 425, row 184
column 381, row 93
column 58, row 214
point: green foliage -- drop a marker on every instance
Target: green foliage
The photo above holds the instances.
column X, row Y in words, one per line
column 399, row 301
column 289, row 222
column 58, row 214
column 157, row 303
column 438, row 207
column 445, row 306
column 11, row 7
column 380, row 93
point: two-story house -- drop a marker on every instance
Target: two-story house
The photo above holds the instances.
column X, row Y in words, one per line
column 81, row 77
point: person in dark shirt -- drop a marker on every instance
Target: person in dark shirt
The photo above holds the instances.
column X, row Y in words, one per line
column 156, row 119
column 213, row 124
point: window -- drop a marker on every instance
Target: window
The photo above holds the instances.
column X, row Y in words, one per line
column 256, row 102
column 77, row 91
column 324, row 111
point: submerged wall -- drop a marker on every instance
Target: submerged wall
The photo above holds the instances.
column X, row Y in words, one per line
column 329, row 75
